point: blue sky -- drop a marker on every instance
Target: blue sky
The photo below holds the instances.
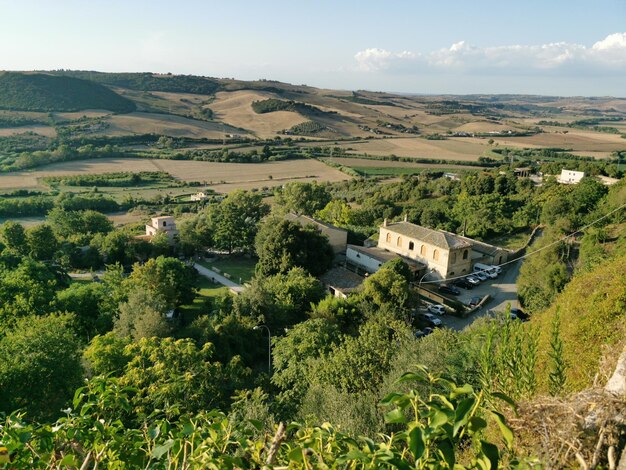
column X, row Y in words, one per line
column 541, row 47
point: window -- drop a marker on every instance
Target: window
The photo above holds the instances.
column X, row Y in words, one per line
column 451, row 273
column 423, row 250
column 164, row 223
column 399, row 242
column 411, row 246
column 463, row 271
column 453, row 258
column 465, row 253
column 500, row 259
column 436, row 255
column 388, row 239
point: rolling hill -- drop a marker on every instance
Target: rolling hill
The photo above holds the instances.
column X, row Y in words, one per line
column 43, row 92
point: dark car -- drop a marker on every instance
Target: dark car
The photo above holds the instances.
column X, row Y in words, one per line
column 464, row 283
column 474, row 301
column 423, row 332
column 519, row 314
column 448, row 289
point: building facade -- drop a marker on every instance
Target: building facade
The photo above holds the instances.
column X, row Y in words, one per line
column 444, row 253
column 165, row 224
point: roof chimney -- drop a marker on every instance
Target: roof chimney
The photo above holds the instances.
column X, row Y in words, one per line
column 385, row 222
column 406, row 217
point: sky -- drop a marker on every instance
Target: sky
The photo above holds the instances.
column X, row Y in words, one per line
column 549, row 47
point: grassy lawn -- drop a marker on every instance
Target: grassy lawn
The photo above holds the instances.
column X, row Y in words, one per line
column 239, row 267
column 513, row 241
column 207, row 291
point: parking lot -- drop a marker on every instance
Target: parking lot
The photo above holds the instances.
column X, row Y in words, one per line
column 503, row 290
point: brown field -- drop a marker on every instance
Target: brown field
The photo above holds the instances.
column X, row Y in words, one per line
column 221, row 176
column 235, row 108
column 37, row 129
column 451, row 149
column 175, row 126
column 484, row 126
column 575, row 139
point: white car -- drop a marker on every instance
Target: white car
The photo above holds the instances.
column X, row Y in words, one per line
column 437, row 308
column 481, row 276
column 473, row 280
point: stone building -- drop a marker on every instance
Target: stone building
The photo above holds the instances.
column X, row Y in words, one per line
column 445, row 253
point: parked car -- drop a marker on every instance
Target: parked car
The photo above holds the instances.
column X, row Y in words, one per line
column 423, row 332
column 449, row 289
column 473, row 280
column 481, row 276
column 437, row 308
column 431, row 320
column 464, row 283
column 474, row 301
column 520, row 314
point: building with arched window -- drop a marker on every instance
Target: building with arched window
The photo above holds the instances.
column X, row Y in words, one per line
column 442, row 251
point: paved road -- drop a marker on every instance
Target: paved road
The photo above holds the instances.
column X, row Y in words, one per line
column 503, row 290
column 215, row 277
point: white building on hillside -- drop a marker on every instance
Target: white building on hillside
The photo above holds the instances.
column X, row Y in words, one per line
column 570, row 177
column 164, row 224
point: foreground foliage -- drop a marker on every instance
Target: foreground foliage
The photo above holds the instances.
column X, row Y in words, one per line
column 430, row 431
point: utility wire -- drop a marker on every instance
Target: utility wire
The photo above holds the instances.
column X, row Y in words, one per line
column 537, row 250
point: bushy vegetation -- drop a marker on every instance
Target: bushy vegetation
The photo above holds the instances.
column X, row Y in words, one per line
column 17, row 121
column 44, row 92
column 306, row 128
column 121, row 179
column 150, row 81
column 271, row 105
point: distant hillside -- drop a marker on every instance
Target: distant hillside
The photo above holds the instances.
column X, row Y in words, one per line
column 43, row 92
column 150, row 81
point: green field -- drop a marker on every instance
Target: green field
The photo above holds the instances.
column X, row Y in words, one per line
column 202, row 303
column 239, row 267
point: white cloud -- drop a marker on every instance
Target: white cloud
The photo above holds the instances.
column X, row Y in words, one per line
column 604, row 55
column 380, row 59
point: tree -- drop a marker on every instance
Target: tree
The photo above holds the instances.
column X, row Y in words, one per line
column 39, row 365
column 168, row 278
column 388, row 291
column 165, row 372
column 336, row 213
column 143, row 316
column 282, row 245
column 279, row 300
column 293, row 353
column 85, row 301
column 113, row 247
column 29, row 288
column 303, row 198
column 234, row 221
column 42, row 243
column 14, row 237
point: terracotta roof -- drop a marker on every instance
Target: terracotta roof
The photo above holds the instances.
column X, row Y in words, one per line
column 383, row 255
column 438, row 238
column 342, row 279
column 310, row 220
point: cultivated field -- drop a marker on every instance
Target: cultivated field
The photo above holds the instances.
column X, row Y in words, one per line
column 175, row 126
column 575, row 139
column 37, row 129
column 235, row 108
column 451, row 149
column 223, row 177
